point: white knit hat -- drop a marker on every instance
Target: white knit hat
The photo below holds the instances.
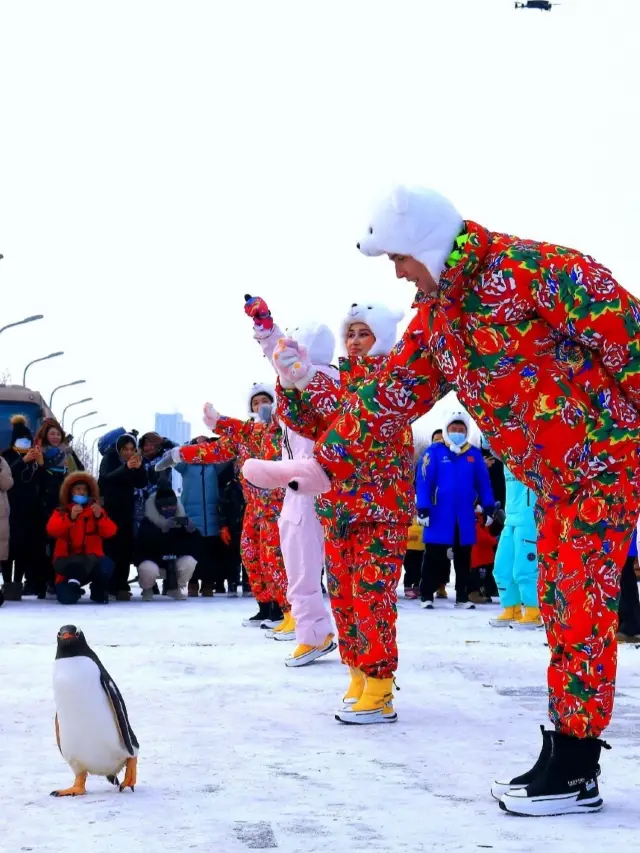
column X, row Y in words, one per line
column 317, row 338
column 261, row 388
column 382, row 321
column 419, row 223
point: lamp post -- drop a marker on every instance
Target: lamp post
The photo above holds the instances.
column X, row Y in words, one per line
column 80, row 417
column 84, row 441
column 76, row 403
column 93, row 453
column 66, row 385
column 35, row 361
column 22, row 322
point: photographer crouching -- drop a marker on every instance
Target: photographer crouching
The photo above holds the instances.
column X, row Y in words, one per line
column 167, row 545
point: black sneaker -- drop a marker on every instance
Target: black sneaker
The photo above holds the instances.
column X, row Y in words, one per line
column 274, row 617
column 567, row 785
column 264, row 609
column 499, row 788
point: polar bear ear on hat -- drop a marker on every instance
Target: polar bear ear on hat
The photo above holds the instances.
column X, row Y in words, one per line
column 400, row 200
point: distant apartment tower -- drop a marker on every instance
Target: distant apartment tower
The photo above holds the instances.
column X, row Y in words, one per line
column 173, row 427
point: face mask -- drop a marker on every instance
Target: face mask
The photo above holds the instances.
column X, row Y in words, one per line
column 22, row 444
column 81, row 500
column 167, row 511
column 457, row 438
column 264, row 412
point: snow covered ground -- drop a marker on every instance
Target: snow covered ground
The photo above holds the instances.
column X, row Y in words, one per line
column 239, row 753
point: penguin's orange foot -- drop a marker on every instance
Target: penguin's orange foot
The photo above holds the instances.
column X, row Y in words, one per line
column 76, row 790
column 130, row 775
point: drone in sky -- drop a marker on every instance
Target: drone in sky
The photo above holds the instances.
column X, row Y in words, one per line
column 543, row 5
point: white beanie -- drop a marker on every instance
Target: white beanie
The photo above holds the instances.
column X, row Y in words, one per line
column 419, row 223
column 317, row 338
column 382, row 321
column 261, row 388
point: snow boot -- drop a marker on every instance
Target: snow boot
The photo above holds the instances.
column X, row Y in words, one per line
column 264, row 611
column 206, row 590
column 194, row 589
column 477, row 597
column 567, row 785
column 499, row 788
column 441, row 592
column 506, row 618
column 13, row 591
column 529, row 620
column 304, row 654
column 374, row 706
column 356, row 688
column 427, row 604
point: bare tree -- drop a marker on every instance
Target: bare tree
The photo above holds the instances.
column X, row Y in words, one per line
column 84, row 455
column 5, row 377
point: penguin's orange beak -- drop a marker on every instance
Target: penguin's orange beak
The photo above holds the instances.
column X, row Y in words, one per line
column 67, row 636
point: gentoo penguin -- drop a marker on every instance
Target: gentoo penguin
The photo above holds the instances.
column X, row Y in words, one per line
column 92, row 726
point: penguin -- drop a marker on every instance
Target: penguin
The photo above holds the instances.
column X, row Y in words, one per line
column 92, row 725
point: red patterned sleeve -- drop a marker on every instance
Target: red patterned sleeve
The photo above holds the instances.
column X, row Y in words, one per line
column 222, row 450
column 299, row 417
column 581, row 299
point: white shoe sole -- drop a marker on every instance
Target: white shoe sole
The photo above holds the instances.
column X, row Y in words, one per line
column 501, row 623
column 251, row 623
column 526, row 626
column 284, row 636
column 364, row 718
column 309, row 657
column 427, row 605
column 517, row 803
column 499, row 789
column 269, row 624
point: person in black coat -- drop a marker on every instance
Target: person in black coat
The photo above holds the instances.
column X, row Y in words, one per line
column 166, row 535
column 121, row 475
column 231, row 511
column 26, row 518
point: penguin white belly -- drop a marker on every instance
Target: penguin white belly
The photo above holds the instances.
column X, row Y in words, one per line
column 89, row 735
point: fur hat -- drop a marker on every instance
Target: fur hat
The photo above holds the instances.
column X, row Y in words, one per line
column 417, row 222
column 456, row 416
column 72, row 480
column 20, row 429
column 317, row 338
column 261, row 388
column 382, row 321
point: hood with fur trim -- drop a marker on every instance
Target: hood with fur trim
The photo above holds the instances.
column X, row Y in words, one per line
column 158, row 520
column 456, row 416
column 73, row 479
column 260, row 388
column 318, row 339
column 416, row 222
column 382, row 321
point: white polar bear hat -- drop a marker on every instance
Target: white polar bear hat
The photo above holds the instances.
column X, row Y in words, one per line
column 318, row 339
column 460, row 415
column 382, row 321
column 261, row 388
column 417, row 222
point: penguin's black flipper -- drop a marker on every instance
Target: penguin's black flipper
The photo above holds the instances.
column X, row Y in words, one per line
column 120, row 711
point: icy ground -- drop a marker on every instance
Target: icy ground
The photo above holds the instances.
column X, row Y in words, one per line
column 239, row 753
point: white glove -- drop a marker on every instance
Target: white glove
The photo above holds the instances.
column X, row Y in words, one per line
column 169, row 459
column 423, row 520
column 292, row 363
column 211, row 416
column 478, row 510
column 489, row 521
column 450, row 554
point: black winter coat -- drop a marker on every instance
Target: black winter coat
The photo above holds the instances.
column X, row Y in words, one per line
column 153, row 543
column 117, row 486
column 26, row 518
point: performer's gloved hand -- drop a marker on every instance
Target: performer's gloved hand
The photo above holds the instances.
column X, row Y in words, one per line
column 169, row 459
column 423, row 517
column 292, row 363
column 211, row 416
column 256, row 308
column 488, row 515
column 225, row 535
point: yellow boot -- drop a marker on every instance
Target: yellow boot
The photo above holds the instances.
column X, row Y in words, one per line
column 508, row 616
column 356, row 687
column 287, row 630
column 374, row 706
column 530, row 618
column 304, row 654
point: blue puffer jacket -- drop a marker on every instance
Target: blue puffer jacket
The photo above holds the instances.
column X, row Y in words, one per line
column 201, row 497
column 447, row 486
column 520, row 502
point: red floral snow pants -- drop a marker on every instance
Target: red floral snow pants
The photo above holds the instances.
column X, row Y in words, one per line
column 582, row 547
column 250, row 551
column 363, row 572
column 272, row 582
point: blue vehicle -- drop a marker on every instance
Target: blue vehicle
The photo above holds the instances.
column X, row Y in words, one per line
column 18, row 400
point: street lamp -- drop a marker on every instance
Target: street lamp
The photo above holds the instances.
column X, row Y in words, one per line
column 35, row 361
column 90, row 429
column 76, row 403
column 66, row 385
column 93, row 453
column 84, row 442
column 80, row 417
column 22, row 322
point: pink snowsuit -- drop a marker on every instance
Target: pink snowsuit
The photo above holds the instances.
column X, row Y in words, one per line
column 301, row 534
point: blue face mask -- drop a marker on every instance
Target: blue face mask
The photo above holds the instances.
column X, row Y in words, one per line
column 81, row 500
column 457, row 438
column 167, row 511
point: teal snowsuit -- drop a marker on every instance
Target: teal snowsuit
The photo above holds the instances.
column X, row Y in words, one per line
column 516, row 566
